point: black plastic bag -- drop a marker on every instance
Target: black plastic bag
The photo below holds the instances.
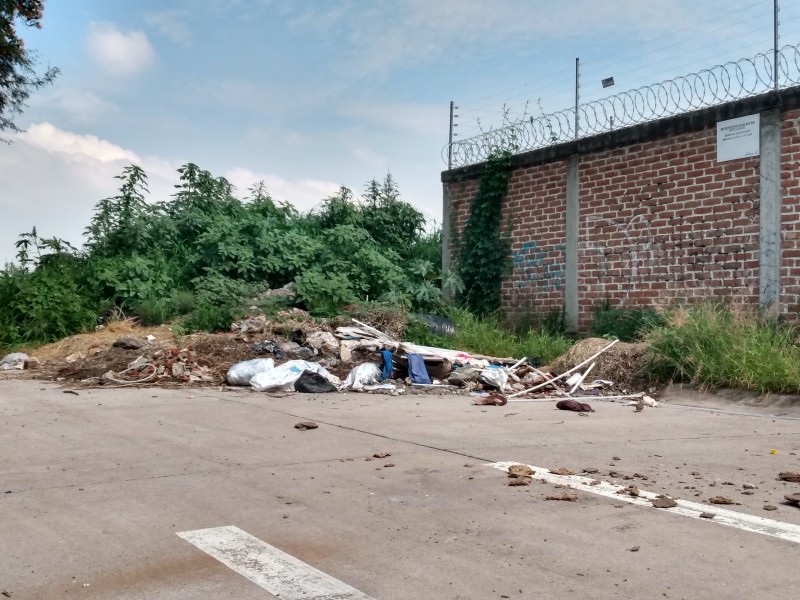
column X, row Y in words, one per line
column 313, row 383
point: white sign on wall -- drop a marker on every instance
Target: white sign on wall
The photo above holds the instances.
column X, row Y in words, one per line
column 739, row 138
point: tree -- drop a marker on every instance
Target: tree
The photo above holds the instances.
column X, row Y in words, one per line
column 18, row 77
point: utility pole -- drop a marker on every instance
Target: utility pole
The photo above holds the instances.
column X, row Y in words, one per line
column 450, row 142
column 578, row 93
column 775, row 50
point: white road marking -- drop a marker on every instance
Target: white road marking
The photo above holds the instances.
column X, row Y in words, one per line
column 778, row 529
column 281, row 574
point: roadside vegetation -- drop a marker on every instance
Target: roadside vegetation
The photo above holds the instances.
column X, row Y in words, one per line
column 204, row 256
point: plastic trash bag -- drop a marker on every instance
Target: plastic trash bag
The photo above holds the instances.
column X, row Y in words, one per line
column 282, row 377
column 363, row 375
column 15, row 360
column 495, row 377
column 242, row 372
column 313, row 383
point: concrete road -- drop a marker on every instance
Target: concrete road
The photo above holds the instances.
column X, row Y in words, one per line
column 97, row 486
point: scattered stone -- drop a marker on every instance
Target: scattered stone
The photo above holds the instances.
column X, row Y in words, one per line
column 520, row 471
column 74, row 357
column 770, row 507
column 138, row 363
column 748, row 493
column 789, row 476
column 591, row 470
column 707, row 515
column 793, row 498
column 595, row 482
column 749, row 486
column 615, row 458
column 631, row 490
column 129, row 343
column 664, row 502
column 564, row 498
column 71, row 392
column 721, row 500
column 369, row 458
column 520, row 481
column 381, row 455
column 562, row 472
column 304, row 425
column 634, row 549
column 178, row 369
column 469, row 465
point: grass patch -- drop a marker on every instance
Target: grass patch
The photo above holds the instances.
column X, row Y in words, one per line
column 487, row 336
column 714, row 346
column 625, row 324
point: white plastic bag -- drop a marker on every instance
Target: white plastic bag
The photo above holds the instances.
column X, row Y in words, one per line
column 495, row 377
column 15, row 360
column 362, row 376
column 242, row 372
column 282, row 377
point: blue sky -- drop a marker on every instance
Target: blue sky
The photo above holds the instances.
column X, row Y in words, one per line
column 310, row 95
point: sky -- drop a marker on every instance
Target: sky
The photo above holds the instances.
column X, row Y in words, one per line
column 311, row 95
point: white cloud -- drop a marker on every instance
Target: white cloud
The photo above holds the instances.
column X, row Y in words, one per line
column 119, row 52
column 52, row 179
column 87, row 148
column 172, row 25
column 304, row 194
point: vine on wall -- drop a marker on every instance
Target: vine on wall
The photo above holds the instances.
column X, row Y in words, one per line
column 485, row 249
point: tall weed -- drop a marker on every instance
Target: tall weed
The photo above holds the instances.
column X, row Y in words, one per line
column 718, row 347
column 488, row 336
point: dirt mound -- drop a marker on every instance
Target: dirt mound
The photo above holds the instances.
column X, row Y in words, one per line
column 93, row 342
column 625, row 364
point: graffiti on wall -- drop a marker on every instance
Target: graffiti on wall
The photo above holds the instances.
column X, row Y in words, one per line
column 539, row 267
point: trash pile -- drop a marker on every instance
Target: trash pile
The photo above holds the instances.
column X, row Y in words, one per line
column 293, row 352
column 387, row 365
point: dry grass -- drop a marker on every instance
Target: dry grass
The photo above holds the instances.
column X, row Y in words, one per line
column 625, row 364
column 85, row 343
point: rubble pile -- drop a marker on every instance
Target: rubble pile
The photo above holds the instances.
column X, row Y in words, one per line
column 294, row 352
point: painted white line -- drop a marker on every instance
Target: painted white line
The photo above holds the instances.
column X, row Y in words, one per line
column 281, row 574
column 744, row 521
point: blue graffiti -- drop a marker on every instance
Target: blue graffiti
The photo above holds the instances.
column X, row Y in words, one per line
column 539, row 267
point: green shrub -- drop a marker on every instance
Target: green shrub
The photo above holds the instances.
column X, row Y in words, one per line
column 488, row 336
column 626, row 324
column 208, row 317
column 183, row 302
column 154, row 311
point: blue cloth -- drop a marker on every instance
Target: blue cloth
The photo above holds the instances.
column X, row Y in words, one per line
column 386, row 373
column 417, row 370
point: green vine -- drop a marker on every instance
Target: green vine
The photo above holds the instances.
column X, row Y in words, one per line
column 485, row 250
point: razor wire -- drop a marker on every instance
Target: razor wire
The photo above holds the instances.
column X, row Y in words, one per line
column 722, row 83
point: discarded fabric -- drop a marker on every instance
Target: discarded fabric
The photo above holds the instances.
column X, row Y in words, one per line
column 386, row 372
column 242, row 372
column 416, row 369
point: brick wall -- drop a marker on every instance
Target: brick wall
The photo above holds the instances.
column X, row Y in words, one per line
column 664, row 222
column 790, row 216
column 660, row 221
